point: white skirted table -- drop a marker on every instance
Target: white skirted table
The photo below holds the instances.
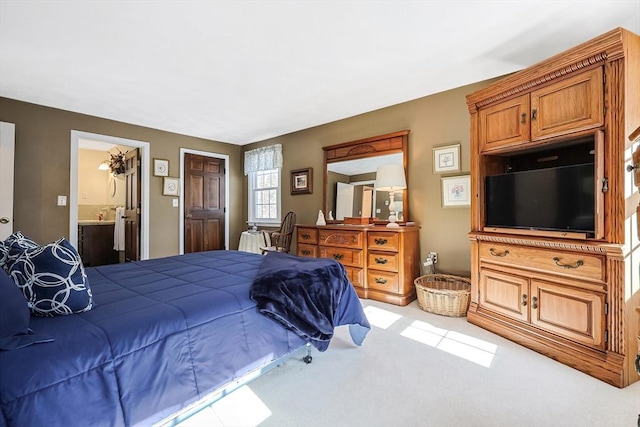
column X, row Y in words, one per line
column 252, row 241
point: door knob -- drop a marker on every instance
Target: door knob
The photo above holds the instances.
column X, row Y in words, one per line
column 188, row 216
column 4, row 220
column 123, row 217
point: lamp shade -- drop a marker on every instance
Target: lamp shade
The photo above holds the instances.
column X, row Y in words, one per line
column 390, row 178
column 104, row 166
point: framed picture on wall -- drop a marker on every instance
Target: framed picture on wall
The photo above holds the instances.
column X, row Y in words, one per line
column 171, row 187
column 160, row 167
column 446, row 159
column 456, row 191
column 302, row 181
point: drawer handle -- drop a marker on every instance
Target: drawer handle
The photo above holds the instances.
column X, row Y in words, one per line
column 306, row 252
column 380, row 241
column 576, row 264
column 498, row 254
column 381, row 281
column 381, row 261
column 338, row 257
column 524, row 300
column 306, row 236
column 534, row 302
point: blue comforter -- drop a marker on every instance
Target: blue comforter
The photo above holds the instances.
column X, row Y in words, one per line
column 163, row 334
column 311, row 296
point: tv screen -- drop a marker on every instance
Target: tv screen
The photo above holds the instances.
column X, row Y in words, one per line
column 555, row 199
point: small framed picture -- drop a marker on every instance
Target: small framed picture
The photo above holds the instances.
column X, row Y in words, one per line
column 446, row 159
column 302, row 181
column 171, row 187
column 160, row 167
column 456, row 191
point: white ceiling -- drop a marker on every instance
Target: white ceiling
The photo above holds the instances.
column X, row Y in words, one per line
column 245, row 71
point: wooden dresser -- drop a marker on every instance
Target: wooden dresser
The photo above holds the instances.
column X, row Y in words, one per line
column 380, row 262
column 569, row 295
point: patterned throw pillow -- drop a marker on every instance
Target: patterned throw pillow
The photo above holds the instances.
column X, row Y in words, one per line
column 4, row 251
column 52, row 279
column 14, row 246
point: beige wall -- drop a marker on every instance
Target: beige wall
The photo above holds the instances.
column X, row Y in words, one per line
column 42, row 169
column 42, row 159
column 435, row 120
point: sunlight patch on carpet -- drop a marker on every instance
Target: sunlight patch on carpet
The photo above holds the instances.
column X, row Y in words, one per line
column 380, row 318
column 240, row 408
column 464, row 346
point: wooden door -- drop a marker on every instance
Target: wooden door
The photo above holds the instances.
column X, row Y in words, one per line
column 132, row 206
column 571, row 105
column 204, row 203
column 504, row 124
column 577, row 314
column 506, row 294
column 7, row 149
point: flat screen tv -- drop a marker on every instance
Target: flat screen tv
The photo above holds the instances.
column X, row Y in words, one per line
column 552, row 199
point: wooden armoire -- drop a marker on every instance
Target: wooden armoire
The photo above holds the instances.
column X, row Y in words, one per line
column 568, row 294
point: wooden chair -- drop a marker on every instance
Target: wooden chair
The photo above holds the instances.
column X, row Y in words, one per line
column 280, row 241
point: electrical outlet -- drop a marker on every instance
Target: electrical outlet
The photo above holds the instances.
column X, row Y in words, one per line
column 433, row 256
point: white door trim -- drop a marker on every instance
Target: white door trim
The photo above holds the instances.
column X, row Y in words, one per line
column 225, row 157
column 73, row 185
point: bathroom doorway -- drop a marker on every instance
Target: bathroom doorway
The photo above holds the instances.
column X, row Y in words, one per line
column 105, row 143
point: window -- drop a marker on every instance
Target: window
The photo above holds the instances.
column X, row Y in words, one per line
column 263, row 168
column 264, row 196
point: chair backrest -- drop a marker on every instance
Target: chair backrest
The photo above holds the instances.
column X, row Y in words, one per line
column 283, row 242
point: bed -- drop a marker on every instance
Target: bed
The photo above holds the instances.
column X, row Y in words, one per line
column 165, row 333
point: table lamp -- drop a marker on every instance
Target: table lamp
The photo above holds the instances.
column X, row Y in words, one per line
column 391, row 178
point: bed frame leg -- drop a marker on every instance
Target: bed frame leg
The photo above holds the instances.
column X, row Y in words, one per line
column 307, row 359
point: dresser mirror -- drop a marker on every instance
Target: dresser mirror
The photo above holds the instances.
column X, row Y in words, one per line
column 350, row 177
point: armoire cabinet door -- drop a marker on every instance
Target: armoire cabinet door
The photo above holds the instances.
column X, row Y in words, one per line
column 576, row 314
column 504, row 124
column 506, row 294
column 570, row 105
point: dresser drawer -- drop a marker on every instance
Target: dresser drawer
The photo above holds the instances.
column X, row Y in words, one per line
column 387, row 261
column 345, row 238
column 382, row 281
column 355, row 275
column 573, row 264
column 381, row 241
column 307, row 250
column 307, row 235
column 350, row 257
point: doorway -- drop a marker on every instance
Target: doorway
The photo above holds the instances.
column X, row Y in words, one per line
column 221, row 210
column 79, row 138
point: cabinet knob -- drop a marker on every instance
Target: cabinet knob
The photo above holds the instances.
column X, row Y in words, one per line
column 523, row 118
column 306, row 236
column 524, row 300
column 338, row 257
column 380, row 241
column 534, row 302
column 381, row 261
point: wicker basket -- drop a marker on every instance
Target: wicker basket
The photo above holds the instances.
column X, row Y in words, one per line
column 443, row 294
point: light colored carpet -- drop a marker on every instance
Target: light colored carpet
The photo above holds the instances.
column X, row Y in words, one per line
column 424, row 370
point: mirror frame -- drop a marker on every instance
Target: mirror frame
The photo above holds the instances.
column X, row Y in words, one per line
column 381, row 145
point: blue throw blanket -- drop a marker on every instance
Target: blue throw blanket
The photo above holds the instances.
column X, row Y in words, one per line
column 311, row 296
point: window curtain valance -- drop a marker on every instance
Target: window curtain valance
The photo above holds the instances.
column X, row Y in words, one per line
column 263, row 158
